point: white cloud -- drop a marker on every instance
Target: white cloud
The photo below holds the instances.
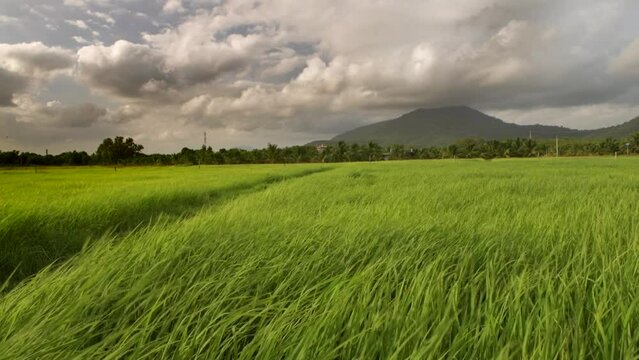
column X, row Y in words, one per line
column 628, row 61
column 102, row 16
column 81, row 40
column 35, row 59
column 80, row 24
column 173, row 6
column 76, row 3
column 176, row 59
column 5, row 20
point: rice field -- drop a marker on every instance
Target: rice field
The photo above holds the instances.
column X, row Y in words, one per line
column 472, row 259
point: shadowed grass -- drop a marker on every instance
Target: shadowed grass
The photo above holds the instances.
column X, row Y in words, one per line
column 50, row 216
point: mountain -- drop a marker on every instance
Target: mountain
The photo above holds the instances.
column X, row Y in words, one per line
column 444, row 126
column 618, row 131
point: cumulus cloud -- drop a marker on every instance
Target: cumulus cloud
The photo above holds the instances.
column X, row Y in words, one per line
column 84, row 115
column 35, row 59
column 427, row 73
column 124, row 69
column 173, row 6
column 126, row 113
column 169, row 61
column 57, row 114
column 194, row 53
column 25, row 63
column 326, row 65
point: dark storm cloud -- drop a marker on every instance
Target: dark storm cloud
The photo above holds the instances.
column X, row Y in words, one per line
column 24, row 64
column 125, row 69
column 11, row 83
column 84, row 115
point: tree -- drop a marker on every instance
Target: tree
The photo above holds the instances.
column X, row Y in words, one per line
column 634, row 142
column 452, row 150
column 340, row 152
column 272, row 153
column 374, row 151
column 397, row 152
column 113, row 151
column 610, row 146
column 187, row 156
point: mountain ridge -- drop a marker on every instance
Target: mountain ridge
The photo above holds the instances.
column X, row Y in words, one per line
column 445, row 125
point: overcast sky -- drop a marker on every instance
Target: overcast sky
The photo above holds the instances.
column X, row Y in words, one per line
column 288, row 71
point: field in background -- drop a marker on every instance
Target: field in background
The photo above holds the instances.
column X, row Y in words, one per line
column 422, row 259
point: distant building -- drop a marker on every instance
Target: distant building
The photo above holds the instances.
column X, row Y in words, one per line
column 321, row 148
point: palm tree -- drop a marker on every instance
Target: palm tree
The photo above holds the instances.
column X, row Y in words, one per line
column 452, row 150
column 340, row 151
column 272, row 153
column 374, row 151
column 634, row 141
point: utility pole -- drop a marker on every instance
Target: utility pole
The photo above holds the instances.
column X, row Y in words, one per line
column 530, row 135
column 199, row 164
column 557, row 145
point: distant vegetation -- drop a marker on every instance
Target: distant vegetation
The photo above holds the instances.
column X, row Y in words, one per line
column 122, row 151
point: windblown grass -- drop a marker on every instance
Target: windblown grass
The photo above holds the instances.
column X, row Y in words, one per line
column 438, row 259
column 50, row 215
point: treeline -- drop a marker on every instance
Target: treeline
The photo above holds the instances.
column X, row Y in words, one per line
column 71, row 158
column 122, row 151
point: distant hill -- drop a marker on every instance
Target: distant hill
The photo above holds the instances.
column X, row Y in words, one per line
column 618, row 131
column 443, row 126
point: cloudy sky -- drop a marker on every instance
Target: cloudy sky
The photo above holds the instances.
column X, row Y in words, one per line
column 249, row 72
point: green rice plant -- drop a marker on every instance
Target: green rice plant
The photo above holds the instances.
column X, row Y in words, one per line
column 47, row 216
column 532, row 259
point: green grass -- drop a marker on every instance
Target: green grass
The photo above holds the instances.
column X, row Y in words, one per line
column 47, row 216
column 423, row 259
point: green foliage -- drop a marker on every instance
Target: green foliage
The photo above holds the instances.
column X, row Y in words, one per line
column 513, row 258
column 470, row 148
column 112, row 151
